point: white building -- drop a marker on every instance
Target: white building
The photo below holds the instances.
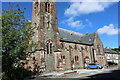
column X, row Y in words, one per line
column 112, row 55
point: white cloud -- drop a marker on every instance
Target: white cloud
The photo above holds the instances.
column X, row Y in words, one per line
column 88, row 22
column 58, row 0
column 93, row 0
column 74, row 23
column 109, row 30
column 79, row 8
column 70, row 19
column 78, row 24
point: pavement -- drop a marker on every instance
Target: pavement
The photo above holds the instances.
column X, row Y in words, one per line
column 84, row 73
column 111, row 73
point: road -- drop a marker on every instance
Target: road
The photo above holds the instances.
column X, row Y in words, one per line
column 111, row 74
column 86, row 74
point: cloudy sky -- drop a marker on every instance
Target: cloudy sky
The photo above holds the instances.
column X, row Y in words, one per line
column 90, row 17
column 85, row 17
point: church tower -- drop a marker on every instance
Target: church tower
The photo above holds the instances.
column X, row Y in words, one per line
column 44, row 20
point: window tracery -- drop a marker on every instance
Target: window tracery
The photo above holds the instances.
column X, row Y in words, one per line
column 49, row 47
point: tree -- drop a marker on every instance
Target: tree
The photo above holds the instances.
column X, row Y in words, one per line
column 16, row 35
column 116, row 49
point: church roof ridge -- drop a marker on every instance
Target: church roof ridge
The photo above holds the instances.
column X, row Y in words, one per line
column 77, row 33
column 70, row 36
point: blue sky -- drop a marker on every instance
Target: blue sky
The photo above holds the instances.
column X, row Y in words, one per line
column 85, row 17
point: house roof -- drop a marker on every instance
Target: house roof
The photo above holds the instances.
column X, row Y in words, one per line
column 74, row 37
column 110, row 51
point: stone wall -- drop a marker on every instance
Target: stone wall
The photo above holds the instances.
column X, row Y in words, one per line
column 71, row 51
column 61, row 55
column 99, row 51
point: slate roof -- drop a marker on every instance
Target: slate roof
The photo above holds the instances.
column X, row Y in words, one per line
column 73, row 37
column 110, row 51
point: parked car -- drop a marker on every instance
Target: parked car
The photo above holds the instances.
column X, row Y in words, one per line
column 94, row 66
column 112, row 63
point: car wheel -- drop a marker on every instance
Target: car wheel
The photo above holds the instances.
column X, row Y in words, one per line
column 97, row 68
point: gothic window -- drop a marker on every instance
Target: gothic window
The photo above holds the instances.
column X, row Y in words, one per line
column 49, row 47
column 36, row 7
column 87, row 60
column 98, row 47
column 70, row 46
column 36, row 4
column 47, row 7
column 63, row 59
column 76, row 59
column 86, row 48
column 76, row 46
column 82, row 48
column 61, row 45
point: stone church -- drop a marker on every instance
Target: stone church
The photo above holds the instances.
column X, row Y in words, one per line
column 61, row 49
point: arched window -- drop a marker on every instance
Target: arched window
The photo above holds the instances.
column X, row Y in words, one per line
column 49, row 47
column 63, row 56
column 98, row 47
column 61, row 45
column 70, row 47
column 36, row 4
column 76, row 47
column 36, row 7
column 47, row 7
column 82, row 48
column 76, row 59
column 63, row 59
column 86, row 48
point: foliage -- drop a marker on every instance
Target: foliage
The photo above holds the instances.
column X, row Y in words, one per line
column 16, row 35
column 116, row 49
